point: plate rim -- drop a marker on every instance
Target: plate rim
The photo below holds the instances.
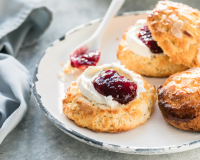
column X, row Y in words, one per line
column 90, row 141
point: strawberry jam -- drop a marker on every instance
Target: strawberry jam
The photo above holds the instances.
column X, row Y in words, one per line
column 82, row 59
column 147, row 39
column 110, row 83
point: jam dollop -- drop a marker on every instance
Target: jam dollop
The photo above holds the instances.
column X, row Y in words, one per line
column 145, row 36
column 110, row 83
column 82, row 59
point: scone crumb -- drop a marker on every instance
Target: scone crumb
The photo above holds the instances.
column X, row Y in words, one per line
column 68, row 73
column 68, row 68
column 60, row 74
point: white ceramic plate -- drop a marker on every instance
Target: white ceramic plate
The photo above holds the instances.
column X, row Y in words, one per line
column 154, row 137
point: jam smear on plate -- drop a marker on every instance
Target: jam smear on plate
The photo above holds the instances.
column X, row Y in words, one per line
column 82, row 59
column 147, row 39
column 110, row 83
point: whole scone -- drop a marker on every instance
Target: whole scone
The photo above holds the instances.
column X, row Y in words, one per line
column 179, row 100
column 158, row 65
column 176, row 28
column 87, row 112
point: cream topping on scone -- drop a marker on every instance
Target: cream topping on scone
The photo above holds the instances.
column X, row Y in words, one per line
column 134, row 43
column 86, row 86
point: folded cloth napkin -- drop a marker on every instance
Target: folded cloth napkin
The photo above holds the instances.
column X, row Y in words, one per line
column 21, row 24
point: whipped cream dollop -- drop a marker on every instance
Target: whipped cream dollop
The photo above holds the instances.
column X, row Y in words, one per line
column 134, row 43
column 86, row 86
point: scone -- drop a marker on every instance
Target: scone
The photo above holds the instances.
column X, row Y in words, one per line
column 165, row 43
column 109, row 98
column 178, row 100
column 176, row 28
column 136, row 56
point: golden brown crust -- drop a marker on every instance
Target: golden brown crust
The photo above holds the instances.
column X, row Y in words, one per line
column 157, row 66
column 103, row 118
column 178, row 100
column 176, row 28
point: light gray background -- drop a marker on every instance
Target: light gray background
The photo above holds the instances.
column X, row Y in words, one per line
column 36, row 138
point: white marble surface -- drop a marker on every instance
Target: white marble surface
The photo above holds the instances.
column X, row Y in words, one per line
column 36, row 138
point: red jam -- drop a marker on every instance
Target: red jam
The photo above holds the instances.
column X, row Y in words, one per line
column 110, row 83
column 146, row 38
column 82, row 59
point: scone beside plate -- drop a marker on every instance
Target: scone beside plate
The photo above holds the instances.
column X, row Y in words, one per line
column 178, row 100
column 121, row 101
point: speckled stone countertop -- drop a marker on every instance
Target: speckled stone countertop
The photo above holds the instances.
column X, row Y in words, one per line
column 36, row 138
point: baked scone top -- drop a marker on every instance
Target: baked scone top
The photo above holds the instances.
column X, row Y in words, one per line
column 181, row 91
column 176, row 28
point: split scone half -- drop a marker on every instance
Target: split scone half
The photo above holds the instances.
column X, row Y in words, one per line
column 109, row 98
column 178, row 100
column 163, row 44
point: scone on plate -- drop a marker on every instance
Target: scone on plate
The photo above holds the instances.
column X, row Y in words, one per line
column 178, row 100
column 163, row 44
column 109, row 98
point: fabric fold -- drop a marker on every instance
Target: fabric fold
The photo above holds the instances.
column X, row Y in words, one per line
column 21, row 23
column 14, row 93
column 26, row 31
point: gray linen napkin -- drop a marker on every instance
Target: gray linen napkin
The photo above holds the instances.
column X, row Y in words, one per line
column 21, row 24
